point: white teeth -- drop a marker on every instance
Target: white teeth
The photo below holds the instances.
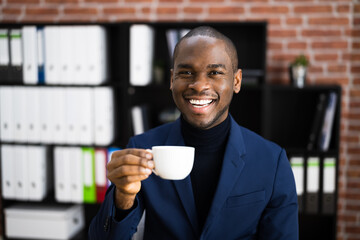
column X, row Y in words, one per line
column 200, row 103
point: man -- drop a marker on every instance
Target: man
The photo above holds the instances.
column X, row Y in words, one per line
column 241, row 185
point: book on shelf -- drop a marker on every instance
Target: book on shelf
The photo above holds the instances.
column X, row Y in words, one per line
column 327, row 126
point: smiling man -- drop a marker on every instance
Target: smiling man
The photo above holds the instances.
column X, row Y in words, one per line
column 241, row 185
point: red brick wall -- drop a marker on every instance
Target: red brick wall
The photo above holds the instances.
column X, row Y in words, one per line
column 327, row 31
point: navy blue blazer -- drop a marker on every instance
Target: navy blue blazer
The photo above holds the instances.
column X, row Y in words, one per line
column 255, row 197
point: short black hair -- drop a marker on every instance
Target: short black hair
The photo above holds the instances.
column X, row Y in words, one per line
column 211, row 32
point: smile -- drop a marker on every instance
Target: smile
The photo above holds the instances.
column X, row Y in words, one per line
column 200, row 103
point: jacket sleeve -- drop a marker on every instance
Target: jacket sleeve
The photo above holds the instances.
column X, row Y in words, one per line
column 104, row 224
column 280, row 218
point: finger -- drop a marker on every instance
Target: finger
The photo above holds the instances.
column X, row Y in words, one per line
column 130, row 160
column 128, row 170
column 133, row 151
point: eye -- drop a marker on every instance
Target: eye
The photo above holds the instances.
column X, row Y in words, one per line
column 185, row 73
column 214, row 72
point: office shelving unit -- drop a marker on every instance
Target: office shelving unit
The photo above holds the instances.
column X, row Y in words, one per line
column 283, row 114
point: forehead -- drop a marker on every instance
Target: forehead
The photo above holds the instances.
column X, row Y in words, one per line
column 202, row 48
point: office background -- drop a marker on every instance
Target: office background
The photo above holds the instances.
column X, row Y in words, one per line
column 327, row 31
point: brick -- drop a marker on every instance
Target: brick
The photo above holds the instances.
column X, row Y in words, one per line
column 226, row 10
column 354, row 92
column 270, row 10
column 330, row 45
column 356, row 8
column 270, row 20
column 170, row 1
column 206, row 1
column 245, row 1
column 284, row 57
column 355, row 163
column 101, row 1
column 119, row 10
column 297, row 45
column 23, row 1
column 281, row 33
column 350, row 139
column 146, row 10
column 337, row 69
column 274, row 46
column 332, row 80
column 62, row 1
column 326, row 57
column 353, row 229
column 353, row 57
column 193, row 10
column 355, row 69
column 329, row 21
column 11, row 10
column 320, row 33
column 41, row 11
column 294, row 21
column 313, row 9
column 343, row 9
column 354, row 33
column 352, row 207
column 166, row 10
column 347, row 218
column 80, row 10
column 315, row 69
column 356, row 45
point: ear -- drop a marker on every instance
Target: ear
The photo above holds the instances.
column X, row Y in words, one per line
column 237, row 81
column 171, row 78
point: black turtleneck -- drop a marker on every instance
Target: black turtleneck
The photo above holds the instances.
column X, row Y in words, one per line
column 209, row 153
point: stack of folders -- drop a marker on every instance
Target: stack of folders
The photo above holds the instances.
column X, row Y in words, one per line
column 25, row 172
column 315, row 198
column 70, row 55
column 80, row 173
column 58, row 115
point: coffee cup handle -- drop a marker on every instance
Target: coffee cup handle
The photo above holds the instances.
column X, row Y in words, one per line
column 154, row 171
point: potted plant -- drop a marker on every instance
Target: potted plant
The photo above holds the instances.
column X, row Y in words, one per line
column 298, row 70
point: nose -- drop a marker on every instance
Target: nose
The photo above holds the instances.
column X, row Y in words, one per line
column 200, row 83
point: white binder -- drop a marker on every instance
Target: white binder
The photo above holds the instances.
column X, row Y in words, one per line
column 141, row 54
column 4, row 47
column 76, row 175
column 20, row 118
column 80, row 55
column 33, row 114
column 96, row 55
column 21, row 172
column 37, row 182
column 62, row 166
column 46, row 114
column 30, row 51
column 66, row 55
column 72, row 115
column 16, row 48
column 86, row 115
column 7, row 114
column 52, row 50
column 8, row 171
column 59, row 115
column 104, row 115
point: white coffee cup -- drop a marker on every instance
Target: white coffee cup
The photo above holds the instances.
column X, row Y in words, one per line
column 173, row 162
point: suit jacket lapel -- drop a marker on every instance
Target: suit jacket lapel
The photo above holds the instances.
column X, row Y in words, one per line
column 233, row 164
column 184, row 187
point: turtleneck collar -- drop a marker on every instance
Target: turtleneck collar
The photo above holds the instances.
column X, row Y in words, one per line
column 206, row 140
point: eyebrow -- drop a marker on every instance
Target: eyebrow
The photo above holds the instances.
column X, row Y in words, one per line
column 216, row 66
column 184, row 65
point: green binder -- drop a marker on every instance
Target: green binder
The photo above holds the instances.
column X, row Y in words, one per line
column 88, row 157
